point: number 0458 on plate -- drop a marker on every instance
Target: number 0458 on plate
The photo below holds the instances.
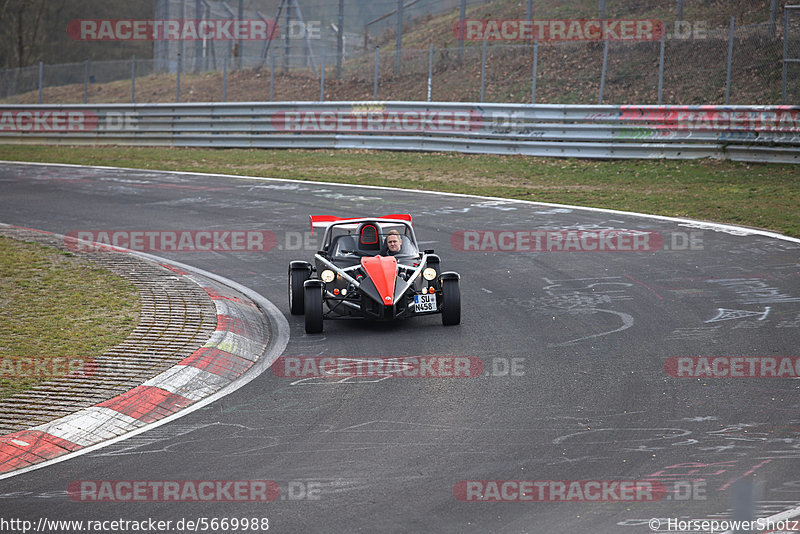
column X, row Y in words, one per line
column 424, row 303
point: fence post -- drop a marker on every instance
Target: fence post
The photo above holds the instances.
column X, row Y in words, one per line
column 730, row 61
column 340, row 41
column 661, row 66
column 483, row 69
column 286, row 42
column 133, row 79
column 210, row 43
column 773, row 11
column 41, row 74
column 462, row 13
column 784, row 73
column 198, row 43
column 679, row 16
column 225, row 80
column 272, row 77
column 322, row 78
column 375, row 85
column 430, row 71
column 603, row 72
column 85, row 81
column 535, row 67
column 182, row 17
column 240, row 42
column 398, row 39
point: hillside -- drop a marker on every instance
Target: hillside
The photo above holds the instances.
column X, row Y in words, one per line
column 568, row 72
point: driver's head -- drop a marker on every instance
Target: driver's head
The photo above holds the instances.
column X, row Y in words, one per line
column 393, row 241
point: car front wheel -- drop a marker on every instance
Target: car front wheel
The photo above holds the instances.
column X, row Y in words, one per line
column 313, row 308
column 296, row 293
column 451, row 302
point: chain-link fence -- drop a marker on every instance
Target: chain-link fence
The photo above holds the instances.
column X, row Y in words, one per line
column 737, row 65
column 790, row 82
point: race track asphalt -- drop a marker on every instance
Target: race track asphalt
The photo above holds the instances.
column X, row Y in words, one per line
column 574, row 384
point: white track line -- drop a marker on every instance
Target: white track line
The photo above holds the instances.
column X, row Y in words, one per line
column 742, row 230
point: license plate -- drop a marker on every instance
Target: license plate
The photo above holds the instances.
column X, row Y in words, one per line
column 425, row 303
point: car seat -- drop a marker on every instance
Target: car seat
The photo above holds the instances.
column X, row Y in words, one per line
column 368, row 237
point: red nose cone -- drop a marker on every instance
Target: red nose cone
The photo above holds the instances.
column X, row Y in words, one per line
column 382, row 270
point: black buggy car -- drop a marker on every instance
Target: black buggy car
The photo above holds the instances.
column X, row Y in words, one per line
column 358, row 275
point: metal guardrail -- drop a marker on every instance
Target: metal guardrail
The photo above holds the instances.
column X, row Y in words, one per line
column 741, row 133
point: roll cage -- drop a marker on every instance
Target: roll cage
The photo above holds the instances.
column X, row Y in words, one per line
column 352, row 239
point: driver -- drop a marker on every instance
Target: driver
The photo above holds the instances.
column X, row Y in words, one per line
column 394, row 242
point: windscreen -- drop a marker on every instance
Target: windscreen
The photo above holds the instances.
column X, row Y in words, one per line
column 370, row 239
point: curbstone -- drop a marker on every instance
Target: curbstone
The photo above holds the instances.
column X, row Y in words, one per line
column 239, row 337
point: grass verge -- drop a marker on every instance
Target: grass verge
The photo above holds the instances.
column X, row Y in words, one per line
column 757, row 195
column 58, row 312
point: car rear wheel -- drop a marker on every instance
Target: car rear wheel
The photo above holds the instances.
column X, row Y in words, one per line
column 296, row 294
column 313, row 308
column 451, row 302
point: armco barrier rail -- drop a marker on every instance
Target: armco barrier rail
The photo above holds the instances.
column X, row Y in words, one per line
column 741, row 133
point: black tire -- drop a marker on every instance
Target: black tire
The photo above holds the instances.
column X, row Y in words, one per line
column 296, row 294
column 451, row 302
column 313, row 309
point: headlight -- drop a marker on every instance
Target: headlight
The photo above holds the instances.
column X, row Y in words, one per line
column 327, row 275
column 429, row 273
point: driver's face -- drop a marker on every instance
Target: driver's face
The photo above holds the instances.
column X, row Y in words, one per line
column 393, row 243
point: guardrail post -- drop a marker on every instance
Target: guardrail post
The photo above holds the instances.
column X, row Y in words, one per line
column 730, row 62
column 661, row 66
column 375, row 84
column 483, row 69
column 430, row 70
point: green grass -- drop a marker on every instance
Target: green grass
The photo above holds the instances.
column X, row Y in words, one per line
column 55, row 308
column 758, row 195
